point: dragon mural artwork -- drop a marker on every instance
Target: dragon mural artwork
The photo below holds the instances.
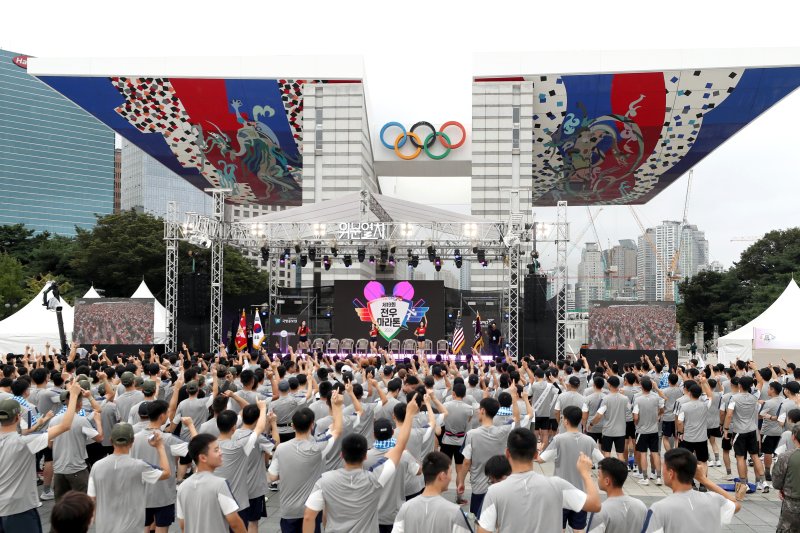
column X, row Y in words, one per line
column 241, row 134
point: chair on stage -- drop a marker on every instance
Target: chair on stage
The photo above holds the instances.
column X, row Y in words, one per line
column 394, row 346
column 428, row 346
column 441, row 346
column 409, row 347
column 318, row 344
column 333, row 346
column 346, row 346
column 362, row 346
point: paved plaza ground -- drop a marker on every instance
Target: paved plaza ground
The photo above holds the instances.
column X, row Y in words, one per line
column 759, row 512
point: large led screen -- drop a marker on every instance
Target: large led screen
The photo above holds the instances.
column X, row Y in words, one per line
column 114, row 321
column 632, row 325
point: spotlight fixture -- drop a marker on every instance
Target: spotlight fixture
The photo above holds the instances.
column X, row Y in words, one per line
column 371, row 259
column 391, row 260
column 384, row 254
column 264, row 254
column 482, row 256
column 474, row 249
column 362, row 254
column 303, row 260
column 458, row 259
column 347, row 260
column 312, row 254
column 414, row 262
column 294, row 263
column 431, row 253
column 437, row 264
column 326, row 262
column 286, row 253
column 334, row 251
column 393, row 249
column 282, row 261
column 297, row 248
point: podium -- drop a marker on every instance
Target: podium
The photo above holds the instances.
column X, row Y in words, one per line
column 283, row 339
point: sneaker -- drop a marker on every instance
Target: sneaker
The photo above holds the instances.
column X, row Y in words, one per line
column 637, row 475
column 659, row 481
column 273, row 486
column 718, row 464
column 760, row 486
column 47, row 495
column 644, row 482
column 702, row 488
column 765, row 490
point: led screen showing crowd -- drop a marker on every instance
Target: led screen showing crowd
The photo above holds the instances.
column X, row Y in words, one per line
column 632, row 326
column 113, row 321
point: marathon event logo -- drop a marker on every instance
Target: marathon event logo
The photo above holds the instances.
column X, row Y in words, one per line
column 391, row 314
column 20, row 61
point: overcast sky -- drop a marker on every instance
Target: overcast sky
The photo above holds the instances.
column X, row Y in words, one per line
column 418, row 62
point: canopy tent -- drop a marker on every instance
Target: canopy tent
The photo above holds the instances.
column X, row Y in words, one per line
column 91, row 293
column 159, row 313
column 773, row 333
column 35, row 326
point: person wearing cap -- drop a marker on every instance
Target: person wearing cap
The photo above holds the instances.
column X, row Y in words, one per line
column 571, row 397
column 195, row 408
column 130, row 397
column 393, row 493
column 18, row 495
column 117, row 483
column 149, row 390
column 285, row 405
column 70, row 470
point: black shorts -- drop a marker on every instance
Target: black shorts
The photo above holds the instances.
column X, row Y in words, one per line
column 553, row 424
column 630, row 430
column 295, row 525
column 453, row 451
column 185, row 460
column 255, row 511
column 412, row 496
column 699, row 449
column 745, row 443
column 476, row 503
column 373, row 339
column 618, row 443
column 542, row 422
column 163, row 516
column 421, row 339
column 727, row 444
column 302, row 338
column 648, row 442
column 770, row 443
column 596, row 436
column 714, row 432
column 575, row 519
column 46, row 454
column 668, row 428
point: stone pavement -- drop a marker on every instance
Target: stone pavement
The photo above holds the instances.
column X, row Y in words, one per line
column 759, row 512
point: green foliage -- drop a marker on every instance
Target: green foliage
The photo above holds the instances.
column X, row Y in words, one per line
column 12, row 278
column 747, row 289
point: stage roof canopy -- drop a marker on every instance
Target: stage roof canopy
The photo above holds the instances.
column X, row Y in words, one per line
column 609, row 129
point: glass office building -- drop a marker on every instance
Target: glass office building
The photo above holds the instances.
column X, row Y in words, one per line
column 56, row 160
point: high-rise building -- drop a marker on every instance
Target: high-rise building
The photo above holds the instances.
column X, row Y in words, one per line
column 715, row 266
column 117, row 179
column 56, row 160
column 621, row 262
column 667, row 238
column 591, row 277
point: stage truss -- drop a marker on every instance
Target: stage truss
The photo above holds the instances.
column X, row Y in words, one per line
column 499, row 241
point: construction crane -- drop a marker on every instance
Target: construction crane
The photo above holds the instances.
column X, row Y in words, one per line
column 577, row 240
column 745, row 238
column 606, row 271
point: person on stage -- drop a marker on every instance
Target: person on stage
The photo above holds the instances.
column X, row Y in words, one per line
column 303, row 331
column 420, row 334
column 373, row 338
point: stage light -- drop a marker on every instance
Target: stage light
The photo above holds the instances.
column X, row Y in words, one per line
column 294, row 263
column 449, row 314
column 393, row 249
column 431, row 253
column 297, row 248
column 362, row 254
column 303, row 260
column 458, row 258
column 409, row 254
column 334, row 251
column 391, row 260
column 264, row 254
column 287, row 253
column 282, row 261
column 414, row 262
column 347, row 260
column 326, row 262
column 312, row 254
column 371, row 259
column 437, row 264
column 384, row 255
column 482, row 257
column 474, row 249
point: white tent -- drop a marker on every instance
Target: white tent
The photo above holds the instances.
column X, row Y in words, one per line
column 91, row 293
column 34, row 325
column 777, row 326
column 159, row 314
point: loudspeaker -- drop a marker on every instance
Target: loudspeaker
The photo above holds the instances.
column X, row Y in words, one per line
column 535, row 286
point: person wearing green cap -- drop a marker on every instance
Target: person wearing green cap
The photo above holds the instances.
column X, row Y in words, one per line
column 197, row 409
column 130, row 397
column 117, row 483
column 149, row 390
column 18, row 496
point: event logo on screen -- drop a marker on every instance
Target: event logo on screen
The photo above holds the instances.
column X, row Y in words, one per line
column 391, row 314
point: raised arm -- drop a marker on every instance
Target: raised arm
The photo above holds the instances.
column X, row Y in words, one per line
column 404, row 432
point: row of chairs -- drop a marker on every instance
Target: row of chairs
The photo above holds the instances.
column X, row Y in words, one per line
column 361, row 346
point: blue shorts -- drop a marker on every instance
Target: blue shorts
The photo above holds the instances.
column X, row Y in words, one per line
column 255, row 511
column 575, row 519
column 27, row 521
column 476, row 503
column 163, row 516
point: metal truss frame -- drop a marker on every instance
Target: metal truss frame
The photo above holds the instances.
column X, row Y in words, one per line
column 171, row 236
column 217, row 262
column 562, row 240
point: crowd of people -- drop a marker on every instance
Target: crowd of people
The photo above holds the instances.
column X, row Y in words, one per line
column 114, row 322
column 371, row 443
column 632, row 327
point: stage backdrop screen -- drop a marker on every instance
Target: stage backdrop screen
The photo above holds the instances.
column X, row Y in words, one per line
column 113, row 321
column 396, row 306
column 632, row 325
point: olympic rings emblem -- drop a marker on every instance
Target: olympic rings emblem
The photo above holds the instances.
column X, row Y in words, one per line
column 421, row 145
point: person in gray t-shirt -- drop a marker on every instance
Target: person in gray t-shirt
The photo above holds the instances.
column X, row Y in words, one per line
column 620, row 513
column 117, row 483
column 647, row 408
column 742, row 420
column 613, row 411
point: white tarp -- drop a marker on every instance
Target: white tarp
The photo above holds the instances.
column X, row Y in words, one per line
column 35, row 326
column 780, row 318
column 91, row 293
column 159, row 314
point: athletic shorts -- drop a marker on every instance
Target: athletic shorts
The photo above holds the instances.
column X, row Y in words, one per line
column 552, row 424
column 770, row 443
column 714, row 432
column 745, row 443
column 420, row 339
column 668, row 428
column 27, row 521
column 476, row 503
column 596, row 436
column 412, row 496
column 185, row 460
column 163, row 516
column 630, row 430
column 617, row 442
column 255, row 511
column 542, row 422
column 699, row 449
column 295, row 525
column 373, row 339
column 727, row 444
column 648, row 442
column 575, row 519
column 453, row 451
column 302, row 338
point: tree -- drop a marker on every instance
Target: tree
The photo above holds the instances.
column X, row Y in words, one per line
column 12, row 278
column 17, row 241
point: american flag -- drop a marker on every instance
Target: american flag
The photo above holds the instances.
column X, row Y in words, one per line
column 458, row 340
